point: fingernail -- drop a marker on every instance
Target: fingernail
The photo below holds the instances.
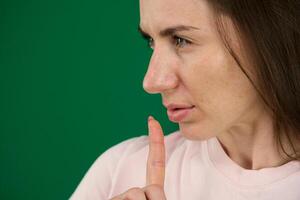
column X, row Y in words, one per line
column 150, row 118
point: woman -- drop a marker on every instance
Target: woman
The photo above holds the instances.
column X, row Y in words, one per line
column 229, row 74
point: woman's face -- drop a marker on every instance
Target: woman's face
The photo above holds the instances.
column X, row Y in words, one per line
column 199, row 72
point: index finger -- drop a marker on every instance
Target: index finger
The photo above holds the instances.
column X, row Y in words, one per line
column 156, row 156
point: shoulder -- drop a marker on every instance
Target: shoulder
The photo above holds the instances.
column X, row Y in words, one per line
column 135, row 148
column 123, row 166
column 130, row 169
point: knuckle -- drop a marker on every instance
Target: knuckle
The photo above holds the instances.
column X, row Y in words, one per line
column 157, row 142
column 158, row 163
column 133, row 190
column 155, row 191
column 133, row 193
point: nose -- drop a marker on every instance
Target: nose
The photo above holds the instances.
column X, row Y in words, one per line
column 161, row 74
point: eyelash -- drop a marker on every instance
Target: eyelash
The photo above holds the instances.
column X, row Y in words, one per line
column 174, row 38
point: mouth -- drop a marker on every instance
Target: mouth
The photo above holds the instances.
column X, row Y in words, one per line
column 175, row 109
column 179, row 114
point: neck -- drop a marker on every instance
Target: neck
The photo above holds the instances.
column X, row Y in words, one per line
column 255, row 146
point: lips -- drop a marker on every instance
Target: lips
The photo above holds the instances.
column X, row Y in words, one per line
column 178, row 106
column 178, row 112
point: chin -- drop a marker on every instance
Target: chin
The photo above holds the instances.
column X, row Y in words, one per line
column 194, row 132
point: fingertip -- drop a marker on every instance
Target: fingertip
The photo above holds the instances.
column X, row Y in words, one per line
column 150, row 118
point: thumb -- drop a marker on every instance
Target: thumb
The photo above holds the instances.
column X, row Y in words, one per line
column 156, row 156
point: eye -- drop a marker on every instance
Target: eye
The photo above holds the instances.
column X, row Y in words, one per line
column 180, row 42
column 149, row 40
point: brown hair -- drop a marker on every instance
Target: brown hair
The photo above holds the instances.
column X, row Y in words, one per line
column 270, row 31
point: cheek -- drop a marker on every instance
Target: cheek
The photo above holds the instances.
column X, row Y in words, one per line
column 220, row 90
column 216, row 84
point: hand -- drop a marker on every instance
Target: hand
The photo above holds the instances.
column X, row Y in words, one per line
column 154, row 189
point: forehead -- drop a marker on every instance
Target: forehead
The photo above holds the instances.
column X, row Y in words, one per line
column 158, row 14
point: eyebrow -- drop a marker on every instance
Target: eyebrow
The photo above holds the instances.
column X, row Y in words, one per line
column 169, row 31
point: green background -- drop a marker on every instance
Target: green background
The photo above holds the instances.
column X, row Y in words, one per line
column 71, row 77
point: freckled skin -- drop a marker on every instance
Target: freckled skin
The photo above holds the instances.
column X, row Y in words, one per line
column 202, row 74
column 205, row 75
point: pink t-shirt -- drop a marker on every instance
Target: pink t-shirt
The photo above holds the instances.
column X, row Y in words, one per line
column 195, row 170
